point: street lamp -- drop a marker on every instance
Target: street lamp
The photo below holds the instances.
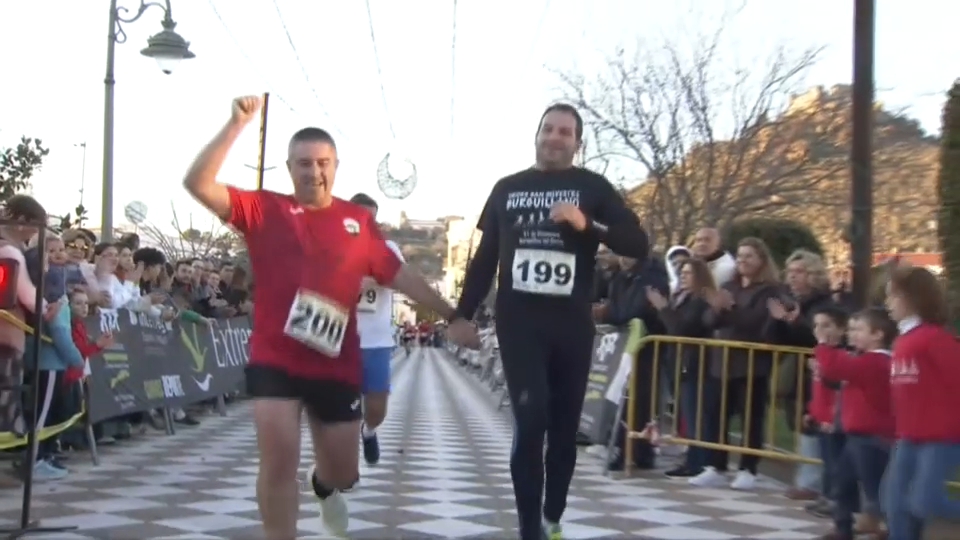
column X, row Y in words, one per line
column 168, row 48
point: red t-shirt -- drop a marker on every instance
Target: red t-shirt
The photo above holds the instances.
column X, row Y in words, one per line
column 308, row 265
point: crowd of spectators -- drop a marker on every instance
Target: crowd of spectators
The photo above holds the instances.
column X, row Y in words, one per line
column 847, row 414
column 80, row 277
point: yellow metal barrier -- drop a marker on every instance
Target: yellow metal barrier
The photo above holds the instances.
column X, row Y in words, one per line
column 713, row 351
column 708, row 350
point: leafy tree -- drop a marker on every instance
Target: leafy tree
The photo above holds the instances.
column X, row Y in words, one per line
column 18, row 165
column 75, row 220
column 948, row 217
column 782, row 236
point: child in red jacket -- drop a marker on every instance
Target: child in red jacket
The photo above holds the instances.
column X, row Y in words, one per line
column 866, row 418
column 831, row 324
column 925, row 386
column 79, row 310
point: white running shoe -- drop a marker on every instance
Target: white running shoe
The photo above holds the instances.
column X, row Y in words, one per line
column 333, row 509
column 744, row 481
column 708, row 478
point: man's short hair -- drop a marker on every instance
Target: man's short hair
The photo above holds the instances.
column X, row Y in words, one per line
column 313, row 134
column 149, row 257
column 564, row 108
column 25, row 208
column 363, row 199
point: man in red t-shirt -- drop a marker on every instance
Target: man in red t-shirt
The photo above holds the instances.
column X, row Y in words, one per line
column 309, row 253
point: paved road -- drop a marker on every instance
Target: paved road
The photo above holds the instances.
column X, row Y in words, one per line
column 444, row 474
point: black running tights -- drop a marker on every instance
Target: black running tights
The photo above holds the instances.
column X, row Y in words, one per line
column 546, row 362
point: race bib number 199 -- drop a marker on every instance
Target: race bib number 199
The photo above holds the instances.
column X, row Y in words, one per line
column 317, row 322
column 539, row 271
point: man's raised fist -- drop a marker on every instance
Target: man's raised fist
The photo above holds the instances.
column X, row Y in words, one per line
column 245, row 108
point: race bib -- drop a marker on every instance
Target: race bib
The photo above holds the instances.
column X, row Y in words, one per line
column 539, row 271
column 317, row 322
column 367, row 303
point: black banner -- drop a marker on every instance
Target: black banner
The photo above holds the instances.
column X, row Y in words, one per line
column 155, row 364
column 605, row 384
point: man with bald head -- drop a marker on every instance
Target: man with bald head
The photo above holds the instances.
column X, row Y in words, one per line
column 706, row 246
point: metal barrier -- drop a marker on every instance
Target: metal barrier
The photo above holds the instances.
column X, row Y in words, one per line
column 713, row 351
column 485, row 363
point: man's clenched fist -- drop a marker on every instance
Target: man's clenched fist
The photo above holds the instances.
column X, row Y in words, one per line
column 244, row 108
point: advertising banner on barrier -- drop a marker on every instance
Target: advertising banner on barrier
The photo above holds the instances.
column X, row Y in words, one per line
column 613, row 351
column 155, row 363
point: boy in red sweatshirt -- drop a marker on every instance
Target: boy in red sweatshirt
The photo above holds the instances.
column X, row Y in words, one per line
column 831, row 324
column 80, row 309
column 925, row 386
column 866, row 417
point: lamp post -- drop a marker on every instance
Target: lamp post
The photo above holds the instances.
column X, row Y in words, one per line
column 168, row 48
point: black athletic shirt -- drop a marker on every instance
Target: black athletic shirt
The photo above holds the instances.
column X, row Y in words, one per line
column 541, row 261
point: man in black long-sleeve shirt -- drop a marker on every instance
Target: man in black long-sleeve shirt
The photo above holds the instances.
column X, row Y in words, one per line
column 543, row 225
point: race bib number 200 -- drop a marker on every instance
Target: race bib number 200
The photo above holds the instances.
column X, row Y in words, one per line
column 539, row 271
column 317, row 322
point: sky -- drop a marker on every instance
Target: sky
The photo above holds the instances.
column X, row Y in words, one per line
column 499, row 75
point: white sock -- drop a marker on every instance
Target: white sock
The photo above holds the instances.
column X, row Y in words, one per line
column 367, row 432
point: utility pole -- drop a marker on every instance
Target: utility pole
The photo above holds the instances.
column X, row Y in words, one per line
column 861, row 150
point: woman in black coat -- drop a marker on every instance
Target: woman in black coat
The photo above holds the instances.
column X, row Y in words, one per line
column 687, row 314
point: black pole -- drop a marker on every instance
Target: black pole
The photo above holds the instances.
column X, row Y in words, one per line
column 34, row 386
column 861, row 150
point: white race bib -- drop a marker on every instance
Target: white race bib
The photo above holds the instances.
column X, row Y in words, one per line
column 367, row 303
column 317, row 322
column 539, row 271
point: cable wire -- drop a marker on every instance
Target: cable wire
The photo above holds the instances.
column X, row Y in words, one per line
column 246, row 56
column 453, row 70
column 376, row 58
column 536, row 35
column 303, row 69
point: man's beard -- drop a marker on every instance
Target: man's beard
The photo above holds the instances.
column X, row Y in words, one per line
column 562, row 160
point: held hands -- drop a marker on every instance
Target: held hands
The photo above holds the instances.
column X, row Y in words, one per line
column 244, row 109
column 568, row 213
column 656, row 299
column 464, row 333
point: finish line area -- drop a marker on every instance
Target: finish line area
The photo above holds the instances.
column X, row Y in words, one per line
column 444, row 472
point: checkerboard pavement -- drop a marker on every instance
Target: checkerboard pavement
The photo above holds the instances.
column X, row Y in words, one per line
column 444, row 473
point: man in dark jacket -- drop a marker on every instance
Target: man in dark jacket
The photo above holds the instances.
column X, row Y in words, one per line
column 628, row 300
column 607, row 267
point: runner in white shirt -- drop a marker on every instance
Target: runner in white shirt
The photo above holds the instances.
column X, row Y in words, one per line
column 375, row 325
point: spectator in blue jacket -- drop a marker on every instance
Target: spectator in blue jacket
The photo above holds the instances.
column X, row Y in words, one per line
column 55, row 357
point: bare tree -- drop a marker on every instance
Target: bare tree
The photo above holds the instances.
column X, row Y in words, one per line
column 189, row 242
column 708, row 141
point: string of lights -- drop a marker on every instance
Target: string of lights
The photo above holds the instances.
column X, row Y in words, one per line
column 303, row 69
column 246, row 56
column 376, row 58
column 453, row 71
